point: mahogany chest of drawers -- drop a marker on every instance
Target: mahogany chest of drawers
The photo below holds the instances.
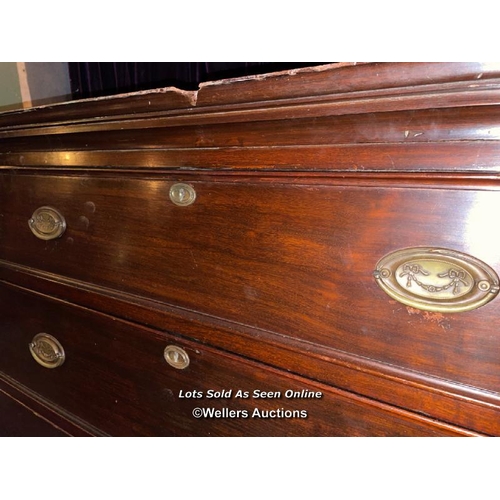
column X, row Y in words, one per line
column 308, row 253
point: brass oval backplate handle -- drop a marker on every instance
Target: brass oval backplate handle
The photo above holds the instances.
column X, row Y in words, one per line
column 436, row 279
column 47, row 223
column 47, row 350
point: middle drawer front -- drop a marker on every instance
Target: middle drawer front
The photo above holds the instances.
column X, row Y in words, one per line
column 293, row 259
column 115, row 376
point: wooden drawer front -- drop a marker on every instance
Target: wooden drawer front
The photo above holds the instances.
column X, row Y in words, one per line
column 16, row 420
column 115, row 377
column 293, row 259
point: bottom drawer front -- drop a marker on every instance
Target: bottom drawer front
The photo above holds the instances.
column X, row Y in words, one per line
column 115, row 375
column 16, row 420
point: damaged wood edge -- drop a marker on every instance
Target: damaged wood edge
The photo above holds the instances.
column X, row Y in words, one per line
column 98, row 109
column 189, row 95
column 289, row 109
column 275, row 74
column 344, row 78
column 259, row 95
column 353, row 103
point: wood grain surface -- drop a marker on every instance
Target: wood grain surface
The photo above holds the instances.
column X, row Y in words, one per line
column 304, row 180
column 115, row 377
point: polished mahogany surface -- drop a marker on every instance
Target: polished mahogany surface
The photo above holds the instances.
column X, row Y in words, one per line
column 296, row 258
column 116, row 378
column 304, row 180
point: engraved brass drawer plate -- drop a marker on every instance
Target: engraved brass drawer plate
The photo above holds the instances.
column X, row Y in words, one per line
column 47, row 223
column 47, row 350
column 436, row 279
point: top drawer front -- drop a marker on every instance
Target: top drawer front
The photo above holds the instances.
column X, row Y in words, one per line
column 294, row 259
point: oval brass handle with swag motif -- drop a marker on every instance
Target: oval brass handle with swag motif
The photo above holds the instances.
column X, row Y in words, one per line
column 436, row 279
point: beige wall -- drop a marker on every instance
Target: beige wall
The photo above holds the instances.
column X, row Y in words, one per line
column 31, row 84
column 10, row 91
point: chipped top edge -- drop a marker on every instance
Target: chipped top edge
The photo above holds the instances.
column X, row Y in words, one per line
column 274, row 74
column 190, row 96
column 379, row 76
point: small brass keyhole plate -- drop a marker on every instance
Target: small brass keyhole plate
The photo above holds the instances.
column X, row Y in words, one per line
column 182, row 194
column 176, row 357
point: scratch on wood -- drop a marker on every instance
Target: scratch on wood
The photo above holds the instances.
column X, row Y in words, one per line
column 392, row 161
column 194, row 260
column 190, row 95
column 431, row 317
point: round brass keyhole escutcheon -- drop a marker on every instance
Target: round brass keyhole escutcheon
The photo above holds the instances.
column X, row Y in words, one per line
column 47, row 223
column 182, row 194
column 47, row 350
column 176, row 357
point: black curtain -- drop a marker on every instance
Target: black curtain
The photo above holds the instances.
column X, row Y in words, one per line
column 95, row 79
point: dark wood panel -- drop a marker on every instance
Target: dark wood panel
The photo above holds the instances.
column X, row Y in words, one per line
column 57, row 416
column 460, row 157
column 114, row 375
column 444, row 400
column 296, row 259
column 454, row 124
